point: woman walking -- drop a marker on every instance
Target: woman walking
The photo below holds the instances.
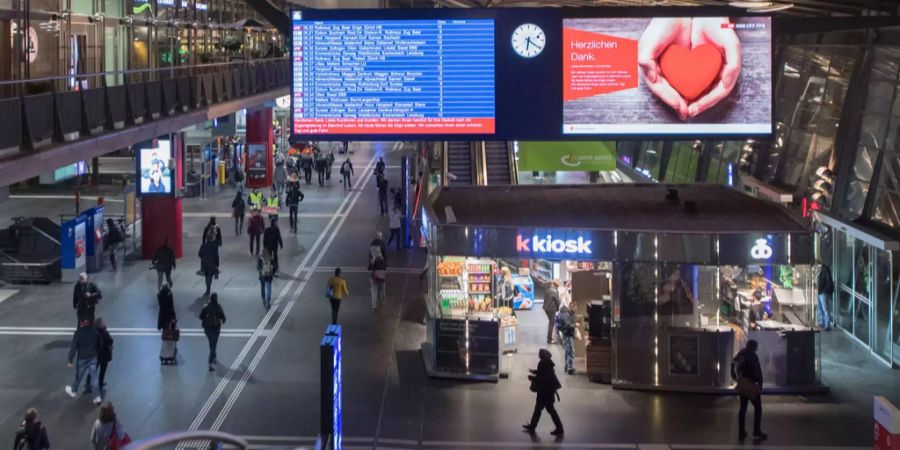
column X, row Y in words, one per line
column 108, row 429
column 337, row 289
column 545, row 384
column 212, row 317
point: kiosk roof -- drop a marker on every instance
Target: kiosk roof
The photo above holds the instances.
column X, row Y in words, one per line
column 624, row 207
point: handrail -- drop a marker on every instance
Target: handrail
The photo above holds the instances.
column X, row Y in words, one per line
column 481, row 152
column 446, row 170
column 137, row 71
column 180, row 436
column 513, row 166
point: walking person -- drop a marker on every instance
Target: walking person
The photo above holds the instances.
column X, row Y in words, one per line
column 346, row 172
column 377, row 278
column 83, row 357
column 329, row 164
column 272, row 242
column 255, row 199
column 266, row 274
column 565, row 323
column 294, row 197
column 825, row 289
column 337, row 290
column 551, row 307
column 320, row 168
column 105, row 353
column 112, row 240
column 382, row 183
column 32, row 435
column 377, row 248
column 545, row 384
column 379, row 167
column 85, row 298
column 255, row 228
column 746, row 371
column 108, row 433
column 280, row 179
column 306, row 163
column 166, row 302
column 212, row 232
column 212, row 317
column 237, row 207
column 209, row 263
column 395, row 220
column 237, row 175
column 164, row 263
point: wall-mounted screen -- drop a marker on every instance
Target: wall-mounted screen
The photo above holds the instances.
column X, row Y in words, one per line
column 674, row 76
column 155, row 169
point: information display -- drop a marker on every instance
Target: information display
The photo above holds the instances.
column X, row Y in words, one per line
column 154, row 171
column 380, row 77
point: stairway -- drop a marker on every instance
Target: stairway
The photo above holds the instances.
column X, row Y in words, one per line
column 497, row 162
column 459, row 163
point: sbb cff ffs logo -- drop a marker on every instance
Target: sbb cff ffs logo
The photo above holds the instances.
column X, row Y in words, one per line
column 547, row 244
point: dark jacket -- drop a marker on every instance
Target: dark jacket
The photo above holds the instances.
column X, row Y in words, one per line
column 164, row 259
column 272, row 238
column 166, row 309
column 104, row 354
column 382, row 184
column 824, row 282
column 238, row 205
column 85, row 299
column 347, row 167
column 85, row 344
column 208, row 315
column 379, row 166
column 294, row 195
column 746, row 365
column 35, row 435
column 210, row 230
column 209, row 257
column 255, row 225
column 380, row 244
column 551, row 303
column 565, row 322
column 547, row 383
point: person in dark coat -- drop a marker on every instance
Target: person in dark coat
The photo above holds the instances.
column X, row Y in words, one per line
column 272, row 241
column 32, row 433
column 166, row 308
column 164, row 263
column 85, row 298
column 209, row 262
column 237, row 207
column 824, row 289
column 212, row 317
column 212, row 232
column 545, row 384
column 382, row 184
column 293, row 198
column 104, row 354
column 746, row 365
column 551, row 307
column 114, row 237
column 255, row 228
column 83, row 356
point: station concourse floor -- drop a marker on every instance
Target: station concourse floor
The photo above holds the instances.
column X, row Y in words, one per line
column 266, row 387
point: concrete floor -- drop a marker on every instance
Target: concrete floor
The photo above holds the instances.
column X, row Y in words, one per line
column 266, row 387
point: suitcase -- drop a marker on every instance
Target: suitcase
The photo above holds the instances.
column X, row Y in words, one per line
column 167, row 352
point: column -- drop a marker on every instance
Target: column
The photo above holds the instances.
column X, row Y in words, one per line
column 260, row 139
column 161, row 217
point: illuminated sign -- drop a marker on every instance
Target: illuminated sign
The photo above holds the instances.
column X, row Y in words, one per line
column 332, row 382
column 549, row 244
column 761, row 250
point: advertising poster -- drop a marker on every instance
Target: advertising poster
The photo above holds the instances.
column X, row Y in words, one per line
column 684, row 355
column 669, row 75
column 591, row 156
column 154, row 173
column 256, row 161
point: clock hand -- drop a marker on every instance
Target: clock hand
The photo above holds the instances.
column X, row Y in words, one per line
column 528, row 43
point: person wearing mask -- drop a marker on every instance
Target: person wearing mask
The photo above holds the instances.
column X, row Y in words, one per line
column 272, row 242
column 85, row 298
column 280, row 179
column 83, row 357
column 212, row 317
column 104, row 355
column 255, row 228
column 336, row 290
column 209, row 263
column 346, row 172
column 106, row 428
column 565, row 323
column 166, row 302
column 551, row 307
column 237, row 208
column 825, row 289
column 382, row 183
column 32, row 435
column 255, row 199
column 377, row 277
column 266, row 275
column 294, row 197
column 395, row 221
column 113, row 239
column 379, row 167
column 747, row 372
column 164, row 263
column 545, row 384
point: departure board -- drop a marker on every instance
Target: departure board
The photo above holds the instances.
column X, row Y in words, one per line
column 393, row 77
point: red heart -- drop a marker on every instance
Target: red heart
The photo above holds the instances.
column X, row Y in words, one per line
column 691, row 71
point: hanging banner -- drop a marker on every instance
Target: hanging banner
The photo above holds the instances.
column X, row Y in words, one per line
column 589, row 156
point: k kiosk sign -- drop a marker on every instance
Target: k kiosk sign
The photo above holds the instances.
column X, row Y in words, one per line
column 526, row 243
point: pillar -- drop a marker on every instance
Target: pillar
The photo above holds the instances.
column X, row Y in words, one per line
column 161, row 217
column 260, row 138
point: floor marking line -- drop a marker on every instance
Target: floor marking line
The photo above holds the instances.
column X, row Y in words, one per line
column 301, row 215
column 62, row 197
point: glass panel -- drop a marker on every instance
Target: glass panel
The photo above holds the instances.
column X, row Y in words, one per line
column 861, row 321
column 895, row 299
column 881, row 342
column 887, row 208
column 844, row 270
column 885, row 62
column 845, row 310
column 879, row 95
column 873, row 131
column 861, row 276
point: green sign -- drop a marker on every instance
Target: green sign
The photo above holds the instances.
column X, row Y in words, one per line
column 591, row 156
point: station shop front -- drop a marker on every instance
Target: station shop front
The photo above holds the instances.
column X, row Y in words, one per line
column 667, row 283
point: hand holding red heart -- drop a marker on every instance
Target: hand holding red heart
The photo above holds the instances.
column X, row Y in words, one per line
column 680, row 58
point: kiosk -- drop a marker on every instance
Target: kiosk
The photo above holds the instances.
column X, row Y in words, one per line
column 667, row 282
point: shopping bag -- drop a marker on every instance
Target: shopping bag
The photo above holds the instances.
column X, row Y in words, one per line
column 117, row 443
column 747, row 387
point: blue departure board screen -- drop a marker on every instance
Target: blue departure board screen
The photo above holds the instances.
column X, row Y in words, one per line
column 393, row 77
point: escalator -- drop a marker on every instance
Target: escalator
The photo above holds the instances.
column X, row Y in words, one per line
column 498, row 162
column 459, row 163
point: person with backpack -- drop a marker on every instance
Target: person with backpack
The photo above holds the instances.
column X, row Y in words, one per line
column 212, row 317
column 105, row 353
column 346, row 172
column 32, row 435
column 266, row 274
column 114, row 237
column 377, row 277
column 237, row 208
column 825, row 289
column 272, row 241
column 209, row 263
column 212, row 232
column 545, row 384
column 83, row 357
column 108, row 433
column 85, row 298
column 164, row 263
column 336, row 290
column 294, row 197
column 255, row 228
column 551, row 308
column 377, row 248
column 747, row 373
column 565, row 323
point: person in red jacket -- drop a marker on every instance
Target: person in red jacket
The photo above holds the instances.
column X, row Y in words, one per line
column 255, row 228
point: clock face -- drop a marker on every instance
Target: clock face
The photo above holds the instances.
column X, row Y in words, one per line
column 528, row 40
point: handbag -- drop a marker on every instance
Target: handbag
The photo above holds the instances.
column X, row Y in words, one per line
column 534, row 384
column 747, row 387
column 329, row 293
column 117, row 443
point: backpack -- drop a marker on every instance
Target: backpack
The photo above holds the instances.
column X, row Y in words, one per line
column 212, row 318
column 22, row 440
column 375, row 253
column 267, row 267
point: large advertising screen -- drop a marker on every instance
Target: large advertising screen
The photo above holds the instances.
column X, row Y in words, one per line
column 154, row 169
column 684, row 75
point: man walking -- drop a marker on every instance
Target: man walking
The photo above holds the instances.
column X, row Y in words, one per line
column 164, row 263
column 565, row 323
column 825, row 289
column 551, row 307
column 272, row 242
column 209, row 263
column 255, row 228
column 237, row 208
column 85, row 298
column 382, row 183
column 746, row 371
column 346, row 172
column 294, row 197
column 83, row 356
column 212, row 317
column 395, row 220
column 280, row 178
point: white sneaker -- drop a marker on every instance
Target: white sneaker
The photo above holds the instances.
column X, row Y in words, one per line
column 70, row 391
column 97, row 400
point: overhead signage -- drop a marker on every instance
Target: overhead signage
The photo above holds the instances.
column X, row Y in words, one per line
column 753, row 248
column 761, row 250
column 549, row 244
column 588, row 156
